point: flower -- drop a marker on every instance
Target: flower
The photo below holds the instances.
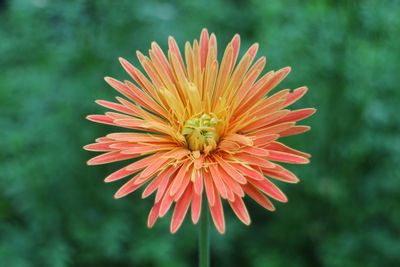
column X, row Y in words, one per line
column 197, row 127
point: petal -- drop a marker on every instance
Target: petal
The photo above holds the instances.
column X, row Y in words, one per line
column 196, row 207
column 180, row 210
column 260, row 198
column 295, row 130
column 139, row 137
column 252, row 160
column 153, row 185
column 297, row 115
column 128, row 188
column 198, row 182
column 217, row 214
column 154, row 167
column 283, row 148
column 249, row 172
column 110, row 157
column 203, row 47
column 256, row 151
column 270, row 189
column 282, row 174
column 286, row 157
column 185, row 183
column 216, row 178
column 116, row 107
column 119, row 174
column 240, row 210
column 178, row 179
column 230, row 171
column 165, row 181
column 296, row 95
column 101, row 119
column 231, row 185
column 166, row 202
column 263, row 140
column 153, row 215
column 209, row 186
column 100, row 147
column 143, row 163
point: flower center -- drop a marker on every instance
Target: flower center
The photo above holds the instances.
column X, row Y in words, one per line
column 202, row 132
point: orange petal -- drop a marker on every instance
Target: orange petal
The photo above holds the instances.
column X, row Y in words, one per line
column 116, row 107
column 196, row 207
column 256, row 151
column 173, row 46
column 198, row 182
column 295, row 130
column 263, row 140
column 101, row 119
column 281, row 147
column 286, row 157
column 230, row 170
column 119, row 174
column 143, row 163
column 166, row 202
column 281, row 174
column 231, row 185
column 154, row 167
column 165, row 181
column 180, row 210
column 120, row 87
column 153, row 215
column 209, row 186
column 110, row 157
column 185, row 183
column 296, row 95
column 139, row 137
column 240, row 210
column 178, row 179
column 260, row 198
column 297, row 115
column 270, row 189
column 252, row 160
column 249, row 172
column 100, row 147
column 203, row 47
column 153, row 185
column 128, row 188
column 216, row 178
column 217, row 214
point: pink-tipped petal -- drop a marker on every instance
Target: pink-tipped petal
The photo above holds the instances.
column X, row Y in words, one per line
column 217, row 214
column 153, row 215
column 109, row 157
column 128, row 188
column 240, row 210
column 260, row 198
column 180, row 210
column 286, row 157
column 270, row 189
column 196, row 207
column 209, row 186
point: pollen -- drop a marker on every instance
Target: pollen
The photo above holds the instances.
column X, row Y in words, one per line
column 202, row 132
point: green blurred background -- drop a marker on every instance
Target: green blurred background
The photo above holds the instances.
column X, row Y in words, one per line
column 56, row 211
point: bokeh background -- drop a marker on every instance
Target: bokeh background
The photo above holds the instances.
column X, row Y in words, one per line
column 56, row 211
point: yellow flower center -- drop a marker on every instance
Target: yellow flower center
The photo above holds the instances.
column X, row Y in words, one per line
column 202, row 132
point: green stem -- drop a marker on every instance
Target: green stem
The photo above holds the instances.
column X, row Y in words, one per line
column 204, row 238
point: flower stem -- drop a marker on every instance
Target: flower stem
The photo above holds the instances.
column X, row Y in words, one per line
column 204, row 238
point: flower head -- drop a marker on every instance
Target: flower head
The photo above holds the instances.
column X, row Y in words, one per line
column 199, row 127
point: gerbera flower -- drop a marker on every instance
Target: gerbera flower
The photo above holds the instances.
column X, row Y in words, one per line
column 196, row 127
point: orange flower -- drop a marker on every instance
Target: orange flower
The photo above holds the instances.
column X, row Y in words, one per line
column 197, row 126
